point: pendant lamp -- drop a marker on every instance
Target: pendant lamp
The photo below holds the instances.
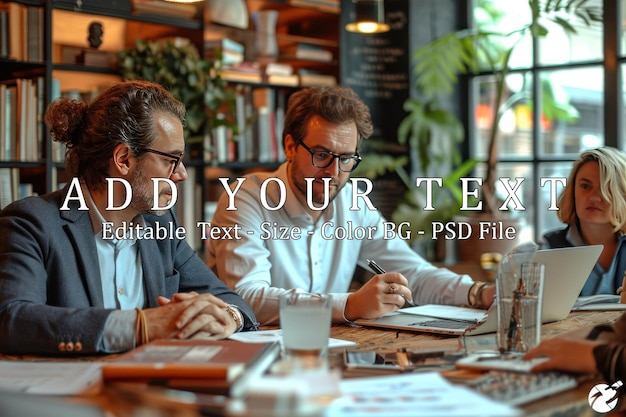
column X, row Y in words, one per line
column 370, row 17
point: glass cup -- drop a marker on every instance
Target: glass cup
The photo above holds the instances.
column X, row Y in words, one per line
column 519, row 295
column 305, row 321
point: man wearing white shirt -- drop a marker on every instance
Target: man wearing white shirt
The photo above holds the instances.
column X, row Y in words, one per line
column 286, row 242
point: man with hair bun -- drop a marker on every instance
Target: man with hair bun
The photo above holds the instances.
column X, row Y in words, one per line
column 65, row 289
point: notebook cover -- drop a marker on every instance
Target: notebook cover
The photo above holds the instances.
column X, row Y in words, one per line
column 221, row 360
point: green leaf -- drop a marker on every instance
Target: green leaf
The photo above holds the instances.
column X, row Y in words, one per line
column 179, row 68
column 565, row 25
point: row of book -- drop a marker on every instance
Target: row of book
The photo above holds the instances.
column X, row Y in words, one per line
column 21, row 112
column 10, row 187
column 22, row 131
column 274, row 73
column 21, row 32
column 233, row 52
column 259, row 114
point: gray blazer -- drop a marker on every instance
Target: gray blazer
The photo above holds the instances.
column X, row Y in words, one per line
column 50, row 290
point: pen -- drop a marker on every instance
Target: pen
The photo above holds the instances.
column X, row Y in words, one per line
column 378, row 270
column 375, row 267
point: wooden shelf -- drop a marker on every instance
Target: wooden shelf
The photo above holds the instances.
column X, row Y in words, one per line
column 152, row 18
column 19, row 69
column 85, row 68
column 65, row 31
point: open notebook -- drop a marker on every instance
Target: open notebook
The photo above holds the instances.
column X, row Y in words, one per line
column 567, row 270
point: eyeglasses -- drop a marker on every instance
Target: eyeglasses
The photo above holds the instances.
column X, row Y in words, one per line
column 175, row 158
column 323, row 159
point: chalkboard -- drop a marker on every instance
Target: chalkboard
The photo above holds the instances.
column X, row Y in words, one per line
column 377, row 66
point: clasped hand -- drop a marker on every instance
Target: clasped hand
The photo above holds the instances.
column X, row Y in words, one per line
column 189, row 315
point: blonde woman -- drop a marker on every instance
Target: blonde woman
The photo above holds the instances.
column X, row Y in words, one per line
column 593, row 206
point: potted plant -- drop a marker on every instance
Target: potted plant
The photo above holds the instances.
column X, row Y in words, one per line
column 197, row 82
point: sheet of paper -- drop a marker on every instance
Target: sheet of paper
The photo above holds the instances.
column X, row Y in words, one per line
column 600, row 302
column 262, row 336
column 51, row 378
column 447, row 312
column 412, row 395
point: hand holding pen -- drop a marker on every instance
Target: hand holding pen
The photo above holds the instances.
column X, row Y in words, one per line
column 392, row 287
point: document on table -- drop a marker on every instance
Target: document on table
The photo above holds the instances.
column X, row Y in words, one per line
column 412, row 395
column 51, row 378
column 262, row 336
column 447, row 312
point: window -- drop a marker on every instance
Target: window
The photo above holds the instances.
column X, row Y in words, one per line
column 567, row 75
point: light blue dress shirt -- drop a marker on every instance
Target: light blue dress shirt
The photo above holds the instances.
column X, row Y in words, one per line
column 121, row 276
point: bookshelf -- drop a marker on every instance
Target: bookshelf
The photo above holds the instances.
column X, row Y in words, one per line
column 262, row 96
column 300, row 22
column 39, row 41
column 41, row 52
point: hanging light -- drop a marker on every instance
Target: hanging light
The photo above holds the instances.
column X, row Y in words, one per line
column 370, row 17
column 184, row 1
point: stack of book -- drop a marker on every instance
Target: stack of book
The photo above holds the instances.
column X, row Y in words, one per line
column 278, row 73
column 307, row 51
column 244, row 72
column 232, row 52
column 314, row 79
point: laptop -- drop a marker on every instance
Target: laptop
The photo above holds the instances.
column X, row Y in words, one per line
column 567, row 270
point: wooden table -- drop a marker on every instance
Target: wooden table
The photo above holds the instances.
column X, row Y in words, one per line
column 391, row 340
column 570, row 403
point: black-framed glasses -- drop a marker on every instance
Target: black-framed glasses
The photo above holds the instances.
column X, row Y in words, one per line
column 323, row 159
column 175, row 159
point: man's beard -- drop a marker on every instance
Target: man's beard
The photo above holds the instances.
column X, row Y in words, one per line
column 142, row 195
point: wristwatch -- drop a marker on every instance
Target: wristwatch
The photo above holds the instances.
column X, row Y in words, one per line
column 234, row 312
column 474, row 297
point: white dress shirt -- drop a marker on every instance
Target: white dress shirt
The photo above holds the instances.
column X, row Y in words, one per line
column 261, row 266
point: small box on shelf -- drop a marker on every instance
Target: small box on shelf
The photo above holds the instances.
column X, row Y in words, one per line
column 89, row 57
column 95, row 58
